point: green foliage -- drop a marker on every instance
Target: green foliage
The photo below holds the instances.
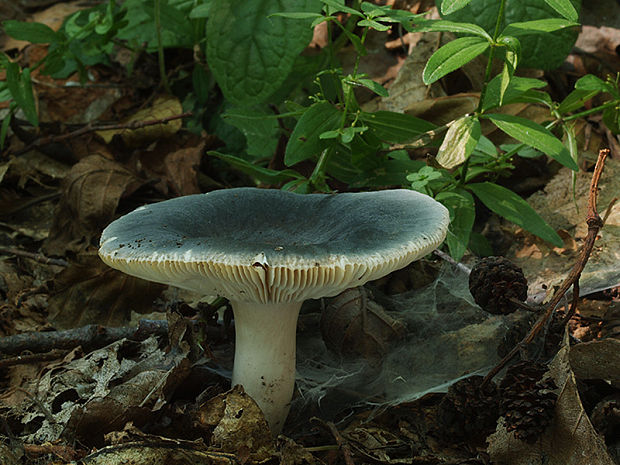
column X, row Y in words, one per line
column 304, row 109
column 540, row 49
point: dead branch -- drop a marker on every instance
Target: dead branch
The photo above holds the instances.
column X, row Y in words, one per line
column 102, row 127
column 33, row 256
column 90, row 337
column 342, row 444
column 595, row 223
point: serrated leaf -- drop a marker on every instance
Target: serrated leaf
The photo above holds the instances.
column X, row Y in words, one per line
column 261, row 173
column 459, row 143
column 452, row 56
column 37, row 33
column 251, row 53
column 512, row 207
column 395, row 127
column 460, row 204
column 450, row 6
column 565, row 8
column 305, row 140
column 535, row 135
column 451, row 26
column 537, row 26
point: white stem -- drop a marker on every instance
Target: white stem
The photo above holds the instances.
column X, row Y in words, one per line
column 265, row 356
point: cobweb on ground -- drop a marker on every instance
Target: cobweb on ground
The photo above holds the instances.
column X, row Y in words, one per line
column 448, row 337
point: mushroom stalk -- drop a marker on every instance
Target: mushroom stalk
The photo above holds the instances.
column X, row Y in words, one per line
column 265, row 356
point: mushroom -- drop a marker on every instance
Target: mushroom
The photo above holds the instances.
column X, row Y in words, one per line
column 267, row 251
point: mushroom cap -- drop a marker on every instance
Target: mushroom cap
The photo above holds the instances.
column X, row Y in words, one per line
column 272, row 246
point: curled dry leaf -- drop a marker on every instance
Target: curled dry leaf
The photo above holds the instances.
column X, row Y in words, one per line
column 239, row 425
column 570, row 439
column 163, row 107
column 597, row 360
column 90, row 195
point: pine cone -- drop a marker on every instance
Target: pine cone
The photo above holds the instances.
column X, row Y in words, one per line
column 527, row 400
column 467, row 411
column 494, row 281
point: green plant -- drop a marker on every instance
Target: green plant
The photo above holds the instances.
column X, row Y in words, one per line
column 272, row 94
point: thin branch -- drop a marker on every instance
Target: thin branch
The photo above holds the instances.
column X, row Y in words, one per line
column 33, row 256
column 342, row 444
column 595, row 223
column 101, row 127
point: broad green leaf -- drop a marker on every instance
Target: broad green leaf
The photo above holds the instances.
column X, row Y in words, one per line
column 462, row 210
column 200, row 82
column 251, row 53
column 506, row 203
column 451, row 26
column 460, row 140
column 3, row 131
column 263, row 174
column 375, row 87
column 395, row 127
column 452, row 56
column 534, row 134
column 202, row 10
column 537, row 26
column 540, row 50
column 565, row 8
column 37, row 33
column 261, row 132
column 611, row 118
column 450, row 6
column 298, row 15
column 304, row 141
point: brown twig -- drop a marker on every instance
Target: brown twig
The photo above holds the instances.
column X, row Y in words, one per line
column 342, row 444
column 34, row 256
column 594, row 223
column 32, row 358
column 102, row 127
column 90, row 337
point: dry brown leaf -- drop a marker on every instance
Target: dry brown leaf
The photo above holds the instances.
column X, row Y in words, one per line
column 546, row 266
column 596, row 360
column 91, row 193
column 89, row 292
column 570, row 439
column 239, row 425
column 163, row 107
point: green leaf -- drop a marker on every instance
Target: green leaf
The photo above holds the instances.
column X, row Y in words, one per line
column 450, row 6
column 537, row 26
column 512, row 207
column 337, row 7
column 374, row 86
column 200, row 83
column 576, row 99
column 305, row 140
column 37, row 33
column 462, row 210
column 541, row 50
column 373, row 24
column 565, row 8
column 516, row 88
column 395, row 127
column 265, row 175
column 459, row 143
column 533, row 134
column 260, row 130
column 251, row 53
column 298, row 15
column 20, row 86
column 5, row 128
column 451, row 26
column 202, row 10
column 452, row 56
column 591, row 82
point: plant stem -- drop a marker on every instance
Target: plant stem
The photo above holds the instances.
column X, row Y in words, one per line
column 487, row 77
column 160, row 48
column 591, row 110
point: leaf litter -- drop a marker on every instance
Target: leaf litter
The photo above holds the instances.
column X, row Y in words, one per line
column 160, row 401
